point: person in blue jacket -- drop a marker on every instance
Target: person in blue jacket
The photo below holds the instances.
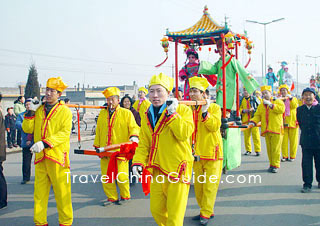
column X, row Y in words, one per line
column 26, row 143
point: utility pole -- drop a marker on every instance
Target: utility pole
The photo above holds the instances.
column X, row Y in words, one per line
column 297, row 89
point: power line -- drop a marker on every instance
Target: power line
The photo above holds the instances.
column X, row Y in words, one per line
column 73, row 58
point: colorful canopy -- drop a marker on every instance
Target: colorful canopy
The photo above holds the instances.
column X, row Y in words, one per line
column 205, row 32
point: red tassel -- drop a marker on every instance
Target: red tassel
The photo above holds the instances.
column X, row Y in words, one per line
column 248, row 63
column 162, row 62
column 145, row 180
column 209, row 49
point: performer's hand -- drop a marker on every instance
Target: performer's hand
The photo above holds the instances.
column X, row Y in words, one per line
column 267, row 102
column 8, row 129
column 289, row 96
column 37, row 147
column 251, row 109
column 172, row 105
column 34, row 104
column 251, row 124
column 134, row 139
column 206, row 106
column 137, row 170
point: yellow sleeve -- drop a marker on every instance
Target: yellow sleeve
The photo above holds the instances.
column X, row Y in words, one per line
column 63, row 134
column 278, row 107
column 28, row 124
column 143, row 150
column 96, row 142
column 181, row 123
column 294, row 103
column 213, row 119
column 257, row 115
column 135, row 105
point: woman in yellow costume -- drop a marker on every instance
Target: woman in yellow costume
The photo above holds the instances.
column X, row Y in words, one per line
column 207, row 145
column 164, row 149
column 291, row 128
column 115, row 125
column 269, row 113
column 51, row 125
column 141, row 105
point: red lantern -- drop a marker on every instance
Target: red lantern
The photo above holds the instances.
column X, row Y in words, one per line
column 192, row 41
column 209, row 49
column 179, row 40
column 199, row 48
column 201, row 41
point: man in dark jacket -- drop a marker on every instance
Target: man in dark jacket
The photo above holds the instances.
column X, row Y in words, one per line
column 3, row 183
column 308, row 116
column 10, row 123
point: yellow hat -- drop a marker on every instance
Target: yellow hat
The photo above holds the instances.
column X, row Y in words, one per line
column 143, row 90
column 111, row 91
column 263, row 88
column 284, row 86
column 162, row 80
column 199, row 83
column 56, row 83
column 257, row 91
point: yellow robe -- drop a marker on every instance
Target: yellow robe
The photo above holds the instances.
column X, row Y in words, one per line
column 52, row 164
column 291, row 131
column 143, row 107
column 117, row 129
column 166, row 151
column 207, row 142
column 245, row 117
column 271, row 128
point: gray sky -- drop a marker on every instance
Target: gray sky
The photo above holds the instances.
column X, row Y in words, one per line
column 104, row 42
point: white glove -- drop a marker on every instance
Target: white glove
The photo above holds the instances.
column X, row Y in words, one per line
column 267, row 102
column 289, row 96
column 34, row 104
column 251, row 124
column 173, row 106
column 206, row 106
column 134, row 139
column 37, row 147
column 137, row 170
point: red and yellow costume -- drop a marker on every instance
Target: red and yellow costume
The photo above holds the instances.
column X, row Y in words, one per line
column 115, row 129
column 166, row 152
column 271, row 127
column 52, row 164
column 207, row 144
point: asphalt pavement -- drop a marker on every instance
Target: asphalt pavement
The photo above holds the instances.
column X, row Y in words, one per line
column 248, row 195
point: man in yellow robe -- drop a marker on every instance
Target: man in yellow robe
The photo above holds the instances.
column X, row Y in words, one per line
column 51, row 125
column 207, row 146
column 164, row 149
column 247, row 109
column 269, row 113
column 141, row 105
column 291, row 128
column 115, row 125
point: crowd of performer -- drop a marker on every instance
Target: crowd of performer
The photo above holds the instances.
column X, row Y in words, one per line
column 173, row 139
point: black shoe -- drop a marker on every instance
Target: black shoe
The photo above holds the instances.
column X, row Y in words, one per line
column 15, row 145
column 257, row 153
column 284, row 159
column 10, row 146
column 305, row 190
column 318, row 185
column 247, row 153
column 274, row 170
column 3, row 207
column 204, row 221
column 196, row 218
column 24, row 182
column 109, row 203
column 270, row 169
column 290, row 160
column 124, row 201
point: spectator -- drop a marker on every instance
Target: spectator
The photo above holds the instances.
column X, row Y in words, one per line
column 127, row 102
column 10, row 123
column 66, row 100
column 180, row 93
column 309, row 123
column 17, row 109
column 27, row 142
column 3, row 183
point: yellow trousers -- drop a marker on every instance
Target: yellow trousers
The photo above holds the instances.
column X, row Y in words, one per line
column 110, row 189
column 255, row 137
column 49, row 173
column 206, row 193
column 168, row 201
column 291, row 135
column 273, row 142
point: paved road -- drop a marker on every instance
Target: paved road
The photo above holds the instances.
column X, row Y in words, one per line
column 275, row 201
